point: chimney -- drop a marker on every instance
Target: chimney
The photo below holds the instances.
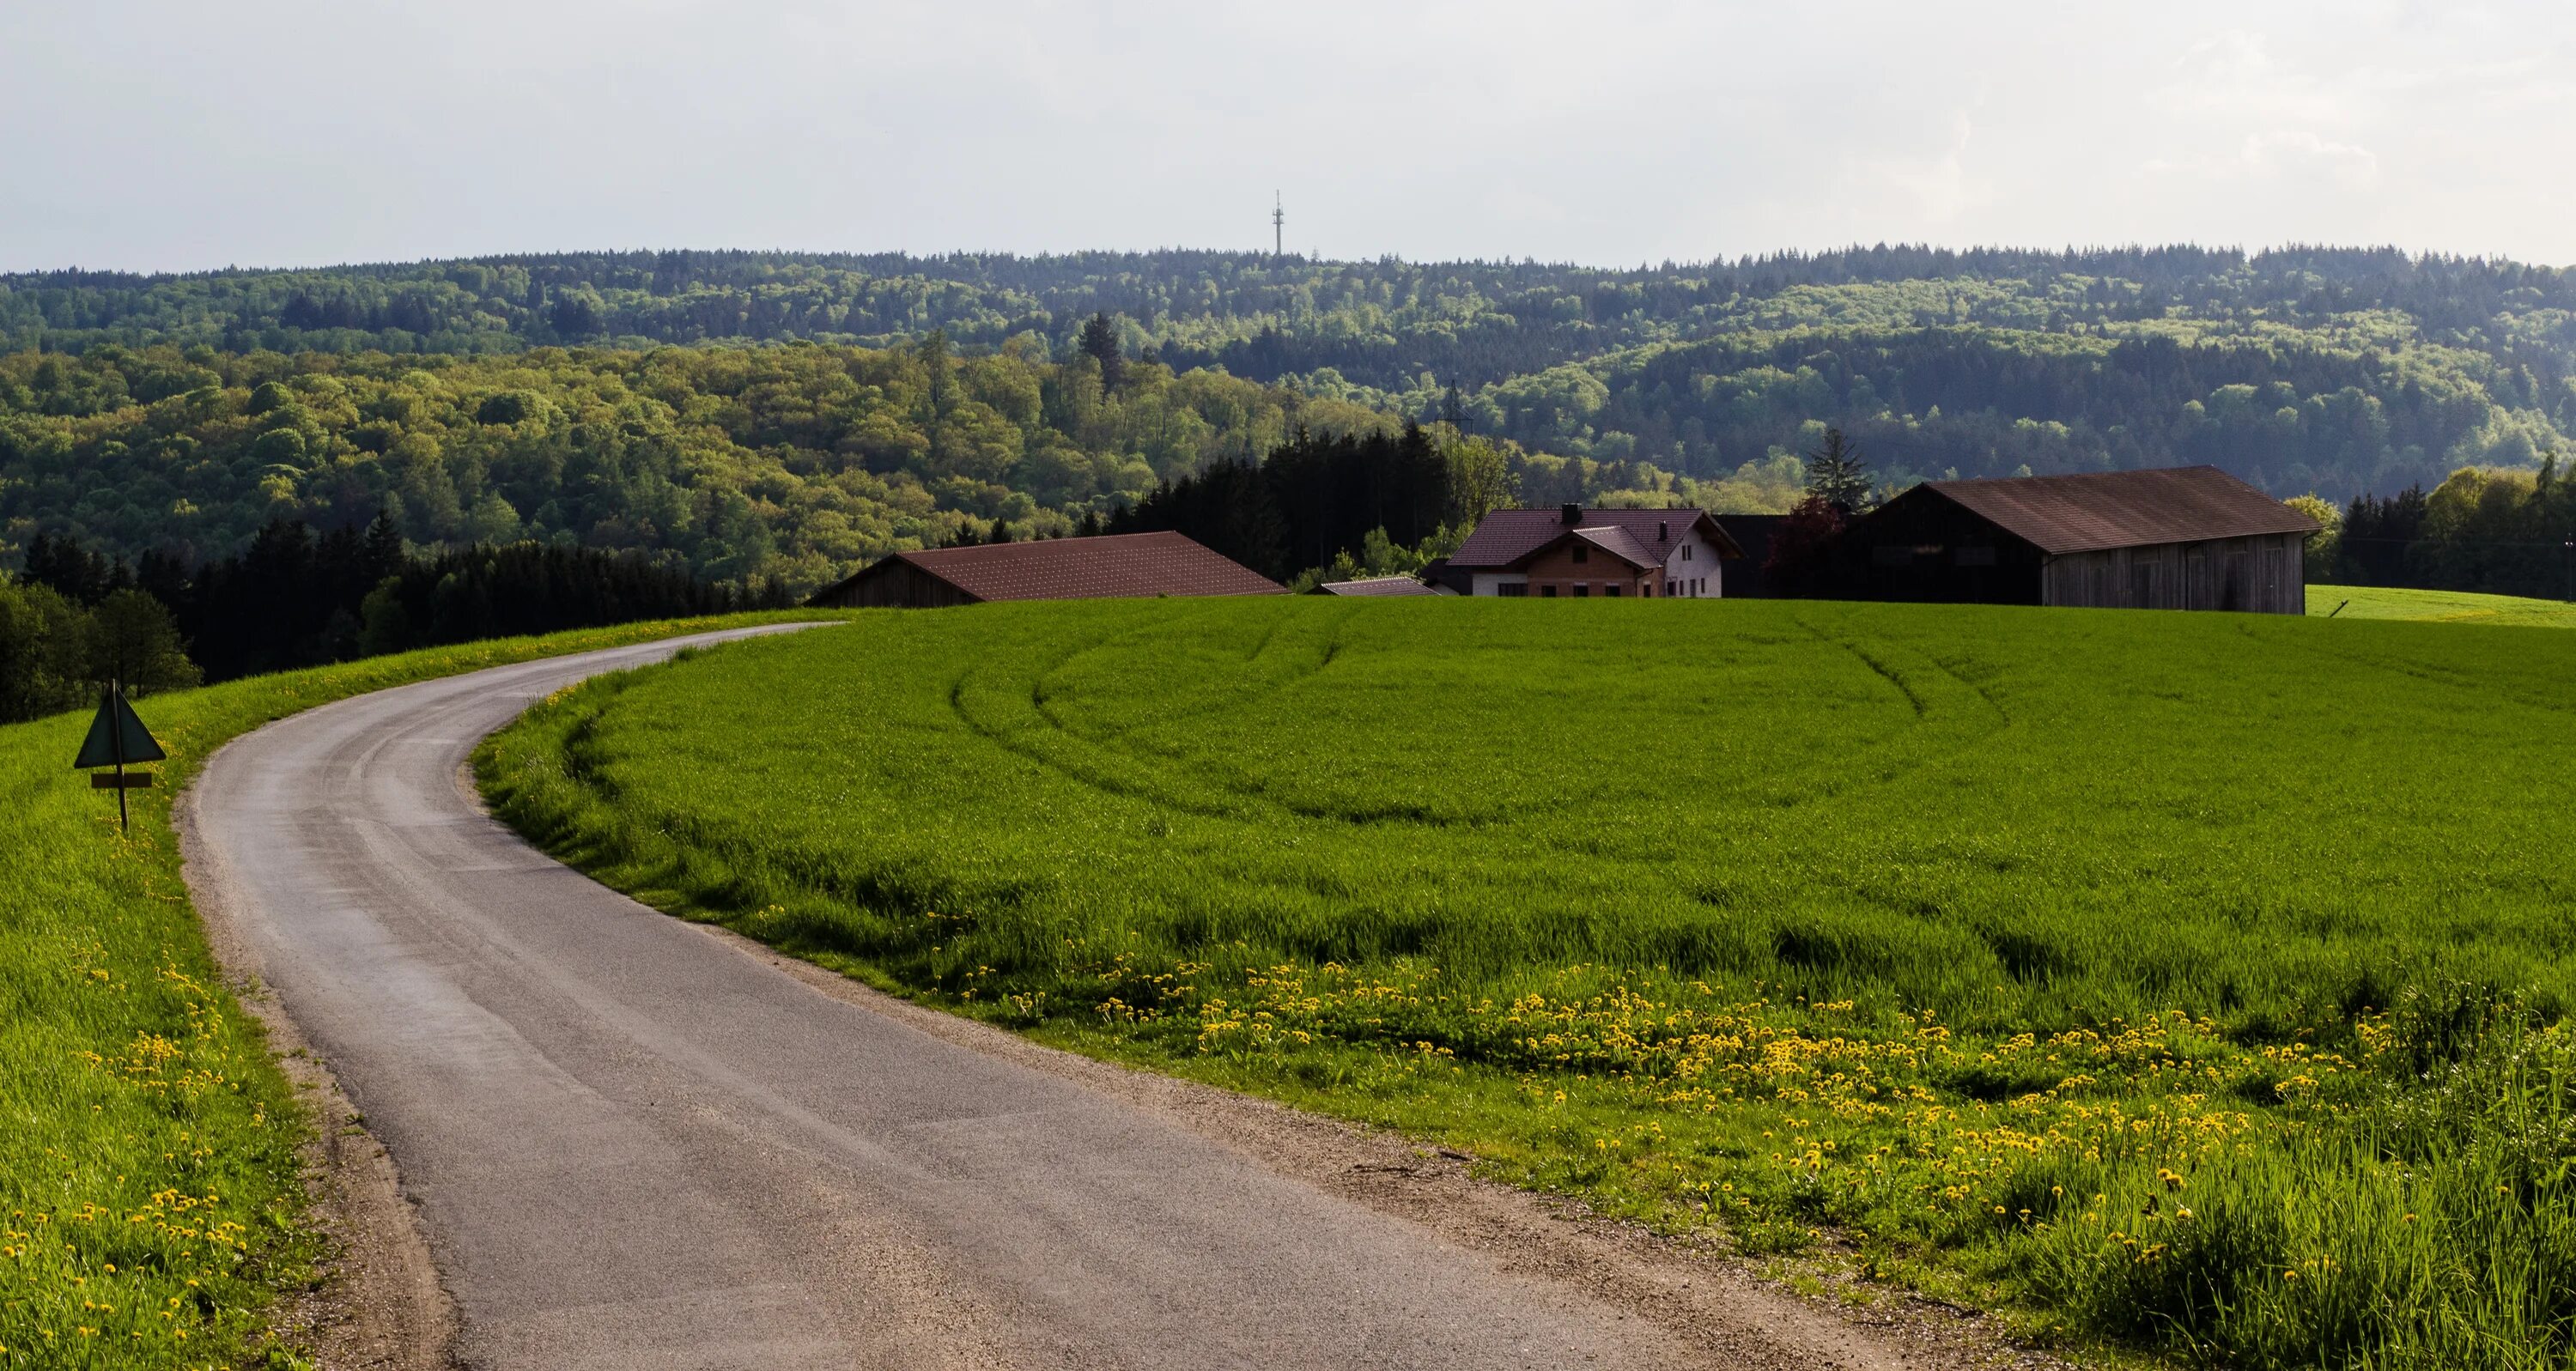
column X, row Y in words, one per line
column 1571, row 514
column 1663, row 530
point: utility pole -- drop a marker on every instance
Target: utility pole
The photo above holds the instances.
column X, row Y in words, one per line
column 1278, row 227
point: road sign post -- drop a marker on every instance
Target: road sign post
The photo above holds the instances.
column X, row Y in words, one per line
column 116, row 738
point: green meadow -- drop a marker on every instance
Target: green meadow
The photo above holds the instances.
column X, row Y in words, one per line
column 2446, row 606
column 2187, row 983
column 152, row 1203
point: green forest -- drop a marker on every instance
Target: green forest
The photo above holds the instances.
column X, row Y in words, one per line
column 778, row 418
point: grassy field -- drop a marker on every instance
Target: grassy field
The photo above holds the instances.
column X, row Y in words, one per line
column 150, row 1195
column 2192, row 982
column 2447, row 606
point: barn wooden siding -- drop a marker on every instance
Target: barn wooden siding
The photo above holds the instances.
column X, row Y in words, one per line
column 2266, row 574
column 893, row 584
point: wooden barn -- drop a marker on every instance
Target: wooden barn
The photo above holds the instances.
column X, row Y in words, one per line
column 1752, row 533
column 2170, row 538
column 1132, row 565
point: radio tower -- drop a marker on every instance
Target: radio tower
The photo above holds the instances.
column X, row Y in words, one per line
column 1278, row 227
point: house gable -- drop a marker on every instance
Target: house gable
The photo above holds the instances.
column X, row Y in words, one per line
column 1507, row 535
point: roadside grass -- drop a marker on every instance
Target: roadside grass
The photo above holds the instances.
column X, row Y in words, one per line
column 2195, row 983
column 2447, row 606
column 151, row 1201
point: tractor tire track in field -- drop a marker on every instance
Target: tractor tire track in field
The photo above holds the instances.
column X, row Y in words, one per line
column 1006, row 704
column 635, row 1142
column 1942, row 730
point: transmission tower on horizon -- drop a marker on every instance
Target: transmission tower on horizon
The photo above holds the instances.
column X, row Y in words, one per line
column 1278, row 227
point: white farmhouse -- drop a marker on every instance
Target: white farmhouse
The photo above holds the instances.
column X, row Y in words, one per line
column 1572, row 551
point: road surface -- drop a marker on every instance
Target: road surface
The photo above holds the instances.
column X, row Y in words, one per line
column 633, row 1145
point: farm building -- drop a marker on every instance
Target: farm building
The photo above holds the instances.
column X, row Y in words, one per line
column 1138, row 565
column 1579, row 552
column 1752, row 533
column 1381, row 585
column 2171, row 538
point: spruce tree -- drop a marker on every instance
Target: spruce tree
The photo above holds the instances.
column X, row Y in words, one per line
column 1837, row 475
column 1099, row 342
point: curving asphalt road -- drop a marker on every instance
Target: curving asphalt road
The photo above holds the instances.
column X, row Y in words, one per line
column 633, row 1146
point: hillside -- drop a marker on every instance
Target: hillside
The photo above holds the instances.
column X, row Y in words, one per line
column 788, row 463
column 618, row 399
column 2045, row 954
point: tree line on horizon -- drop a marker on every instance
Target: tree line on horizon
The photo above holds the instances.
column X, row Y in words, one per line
column 789, row 466
column 1261, row 315
column 1082, row 385
column 1974, row 359
column 73, row 617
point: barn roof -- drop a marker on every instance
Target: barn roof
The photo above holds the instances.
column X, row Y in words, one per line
column 2106, row 509
column 1112, row 565
column 1508, row 535
column 1380, row 585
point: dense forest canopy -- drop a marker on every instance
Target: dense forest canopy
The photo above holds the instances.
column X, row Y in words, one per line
column 750, row 466
column 1378, row 323
column 780, row 416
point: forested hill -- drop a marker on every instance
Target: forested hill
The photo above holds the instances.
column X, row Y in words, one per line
column 191, row 408
column 1379, row 324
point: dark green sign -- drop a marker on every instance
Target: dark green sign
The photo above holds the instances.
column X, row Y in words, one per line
column 117, row 738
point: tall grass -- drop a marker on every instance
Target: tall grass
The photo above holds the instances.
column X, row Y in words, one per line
column 151, row 1202
column 2085, row 964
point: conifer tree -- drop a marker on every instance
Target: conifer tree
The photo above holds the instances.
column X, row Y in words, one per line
column 1837, row 475
column 1099, row 342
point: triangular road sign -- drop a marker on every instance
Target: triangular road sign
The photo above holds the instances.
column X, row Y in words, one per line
column 117, row 725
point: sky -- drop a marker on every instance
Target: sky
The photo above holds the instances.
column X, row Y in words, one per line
column 172, row 135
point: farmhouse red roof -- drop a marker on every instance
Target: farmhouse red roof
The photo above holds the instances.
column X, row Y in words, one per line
column 2096, row 510
column 1507, row 535
column 1117, row 564
column 1622, row 544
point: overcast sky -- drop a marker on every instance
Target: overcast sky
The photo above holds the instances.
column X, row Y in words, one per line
column 181, row 134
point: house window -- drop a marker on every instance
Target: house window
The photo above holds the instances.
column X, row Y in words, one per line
column 1547, row 592
column 1686, row 552
column 1513, row 590
column 1582, row 553
column 1610, row 589
column 1582, row 591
